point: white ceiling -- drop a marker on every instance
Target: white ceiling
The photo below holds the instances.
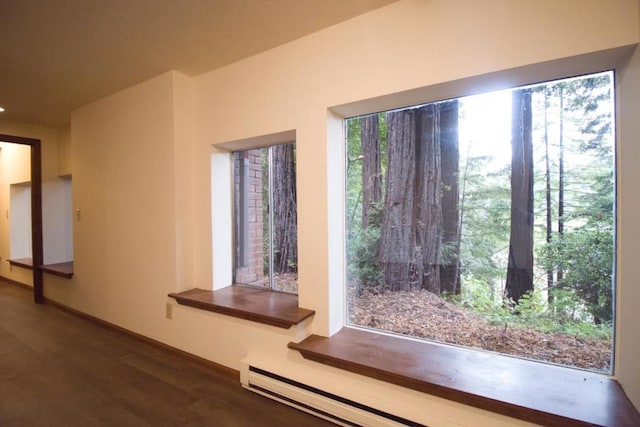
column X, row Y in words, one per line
column 57, row 55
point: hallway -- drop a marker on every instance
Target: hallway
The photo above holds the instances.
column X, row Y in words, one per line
column 59, row 370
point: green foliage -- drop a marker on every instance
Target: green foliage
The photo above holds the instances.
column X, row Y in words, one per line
column 532, row 312
column 362, row 253
column 362, row 243
column 586, row 257
column 485, row 224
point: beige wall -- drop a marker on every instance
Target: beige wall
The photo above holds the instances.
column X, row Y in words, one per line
column 123, row 185
column 143, row 179
column 64, row 152
column 627, row 368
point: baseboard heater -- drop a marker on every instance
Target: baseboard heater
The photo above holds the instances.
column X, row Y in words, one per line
column 334, row 408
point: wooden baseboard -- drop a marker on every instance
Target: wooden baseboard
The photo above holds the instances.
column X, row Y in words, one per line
column 232, row 373
column 16, row 283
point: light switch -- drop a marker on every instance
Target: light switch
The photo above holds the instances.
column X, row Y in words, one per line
column 77, row 214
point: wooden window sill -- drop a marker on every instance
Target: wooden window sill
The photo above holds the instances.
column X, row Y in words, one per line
column 62, row 269
column 535, row 392
column 250, row 303
column 22, row 262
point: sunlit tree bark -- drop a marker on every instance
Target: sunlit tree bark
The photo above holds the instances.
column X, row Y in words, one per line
column 450, row 158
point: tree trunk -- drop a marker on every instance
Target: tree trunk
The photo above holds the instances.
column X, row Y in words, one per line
column 371, row 171
column 520, row 267
column 428, row 202
column 547, row 175
column 560, row 273
column 450, row 158
column 397, row 240
column 285, row 232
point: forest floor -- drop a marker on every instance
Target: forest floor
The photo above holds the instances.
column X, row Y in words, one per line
column 425, row 315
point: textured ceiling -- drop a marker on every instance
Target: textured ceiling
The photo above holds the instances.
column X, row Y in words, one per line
column 57, row 55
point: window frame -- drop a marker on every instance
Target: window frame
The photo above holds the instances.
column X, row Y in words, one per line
column 222, row 204
column 613, row 85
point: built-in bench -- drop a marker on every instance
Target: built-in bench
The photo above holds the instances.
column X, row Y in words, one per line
column 62, row 269
column 531, row 391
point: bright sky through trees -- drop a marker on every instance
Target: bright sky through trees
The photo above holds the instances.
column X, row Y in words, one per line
column 485, row 126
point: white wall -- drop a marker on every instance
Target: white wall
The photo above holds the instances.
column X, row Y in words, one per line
column 15, row 167
column 20, row 220
column 141, row 161
column 122, row 157
column 57, row 220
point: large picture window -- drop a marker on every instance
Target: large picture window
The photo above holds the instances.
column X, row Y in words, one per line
column 488, row 221
column 266, row 246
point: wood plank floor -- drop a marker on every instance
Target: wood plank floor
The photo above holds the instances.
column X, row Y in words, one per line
column 60, row 370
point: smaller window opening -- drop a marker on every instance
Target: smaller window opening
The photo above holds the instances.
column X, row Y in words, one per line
column 265, row 218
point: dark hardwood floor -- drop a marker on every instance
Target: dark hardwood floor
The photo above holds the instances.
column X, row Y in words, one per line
column 60, row 370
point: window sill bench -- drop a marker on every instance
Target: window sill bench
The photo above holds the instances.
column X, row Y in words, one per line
column 259, row 305
column 62, row 269
column 530, row 391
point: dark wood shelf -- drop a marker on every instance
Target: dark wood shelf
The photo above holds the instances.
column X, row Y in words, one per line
column 259, row 305
column 62, row 269
column 22, row 262
column 531, row 391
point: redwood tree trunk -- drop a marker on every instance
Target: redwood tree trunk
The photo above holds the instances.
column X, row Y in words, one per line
column 520, row 268
column 450, row 159
column 397, row 239
column 285, row 230
column 427, row 207
column 411, row 233
column 371, row 169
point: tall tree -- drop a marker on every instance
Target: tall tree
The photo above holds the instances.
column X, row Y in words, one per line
column 284, row 209
column 427, row 209
column 397, row 240
column 561, row 178
column 410, row 251
column 520, row 265
column 451, row 217
column 371, row 168
column 547, row 176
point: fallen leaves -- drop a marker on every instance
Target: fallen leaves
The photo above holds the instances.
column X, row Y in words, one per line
column 422, row 314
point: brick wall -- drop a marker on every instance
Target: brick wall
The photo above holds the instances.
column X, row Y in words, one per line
column 249, row 219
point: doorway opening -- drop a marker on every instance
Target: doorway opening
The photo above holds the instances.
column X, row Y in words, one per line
column 36, row 210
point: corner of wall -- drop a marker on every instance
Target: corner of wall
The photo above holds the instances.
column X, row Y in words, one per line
column 183, row 160
column 64, row 151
